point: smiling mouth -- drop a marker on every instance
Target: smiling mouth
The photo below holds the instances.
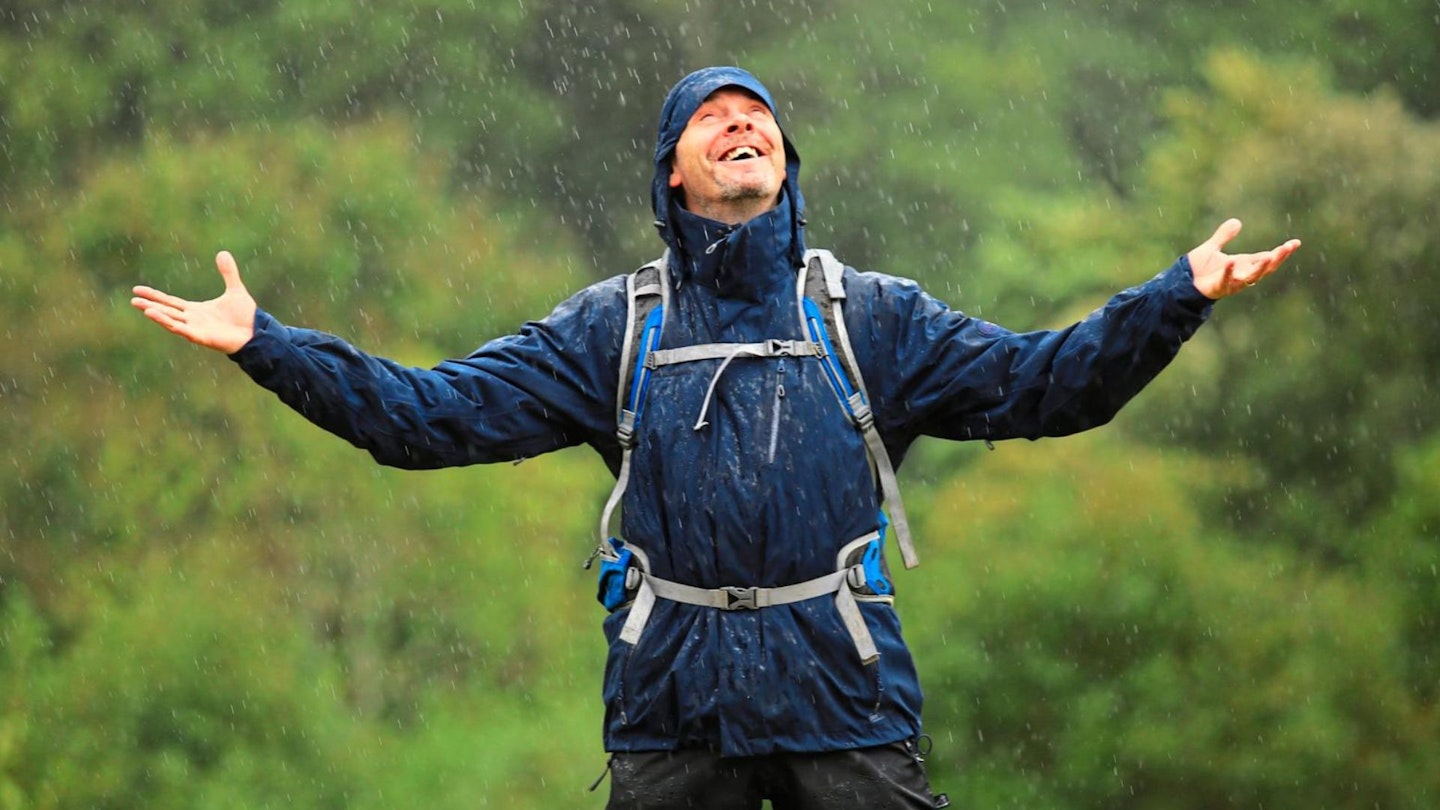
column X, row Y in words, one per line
column 740, row 153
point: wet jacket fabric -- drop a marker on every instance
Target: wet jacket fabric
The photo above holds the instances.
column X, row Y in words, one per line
column 776, row 480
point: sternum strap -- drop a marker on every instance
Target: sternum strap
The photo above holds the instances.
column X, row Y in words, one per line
column 725, row 351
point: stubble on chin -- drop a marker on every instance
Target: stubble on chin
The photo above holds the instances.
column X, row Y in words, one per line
column 746, row 192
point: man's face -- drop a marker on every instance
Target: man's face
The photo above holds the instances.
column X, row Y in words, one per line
column 730, row 160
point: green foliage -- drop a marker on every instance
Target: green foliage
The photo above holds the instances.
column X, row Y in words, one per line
column 85, row 79
column 356, row 215
column 190, row 675
column 1406, row 560
column 1088, row 642
column 1347, row 338
column 150, row 469
column 323, row 211
column 1226, row 600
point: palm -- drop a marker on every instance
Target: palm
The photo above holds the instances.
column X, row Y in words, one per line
column 1218, row 274
column 225, row 323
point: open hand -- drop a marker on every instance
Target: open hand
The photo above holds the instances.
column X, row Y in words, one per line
column 1219, row 274
column 225, row 323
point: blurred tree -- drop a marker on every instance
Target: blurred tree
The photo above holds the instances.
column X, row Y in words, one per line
column 139, row 462
column 1234, row 676
column 176, row 696
column 86, row 79
column 1088, row 642
column 356, row 218
column 1404, row 557
column 185, row 567
column 1318, row 378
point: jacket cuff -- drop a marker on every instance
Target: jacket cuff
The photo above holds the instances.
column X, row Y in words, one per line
column 262, row 346
column 1180, row 278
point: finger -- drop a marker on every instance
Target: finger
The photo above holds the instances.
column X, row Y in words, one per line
column 160, row 313
column 1228, row 230
column 229, row 271
column 167, row 320
column 1276, row 257
column 143, row 304
column 1227, row 272
column 1283, row 252
column 1269, row 261
column 146, row 305
column 152, row 294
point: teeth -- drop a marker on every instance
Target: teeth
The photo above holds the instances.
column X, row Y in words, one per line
column 740, row 153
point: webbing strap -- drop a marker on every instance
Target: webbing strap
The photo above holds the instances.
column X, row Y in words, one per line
column 641, row 290
column 738, row 598
column 855, row 624
column 717, row 351
column 822, row 279
column 622, row 479
column 889, row 484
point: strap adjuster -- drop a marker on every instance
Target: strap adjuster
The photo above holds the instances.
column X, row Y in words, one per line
column 625, row 430
column 860, row 410
column 738, row 598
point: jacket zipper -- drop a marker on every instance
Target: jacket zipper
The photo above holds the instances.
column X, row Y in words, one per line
column 775, row 410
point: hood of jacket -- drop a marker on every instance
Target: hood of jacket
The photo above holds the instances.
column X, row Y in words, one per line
column 678, row 227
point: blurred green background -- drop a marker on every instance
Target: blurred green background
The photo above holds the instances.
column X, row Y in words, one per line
column 1227, row 598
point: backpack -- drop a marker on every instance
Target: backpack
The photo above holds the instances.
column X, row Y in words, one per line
column 624, row 571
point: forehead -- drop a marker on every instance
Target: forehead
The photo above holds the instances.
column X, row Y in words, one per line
column 732, row 94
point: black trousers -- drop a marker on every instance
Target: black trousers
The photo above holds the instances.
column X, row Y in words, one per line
column 881, row 778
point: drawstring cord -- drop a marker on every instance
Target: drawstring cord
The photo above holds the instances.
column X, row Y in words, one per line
column 609, row 763
column 710, row 392
column 724, row 234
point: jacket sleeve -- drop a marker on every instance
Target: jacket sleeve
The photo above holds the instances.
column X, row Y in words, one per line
column 548, row 386
column 938, row 372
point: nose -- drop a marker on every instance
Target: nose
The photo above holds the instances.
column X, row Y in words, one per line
column 739, row 122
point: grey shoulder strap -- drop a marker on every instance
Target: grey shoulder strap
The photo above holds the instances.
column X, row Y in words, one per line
column 822, row 280
column 645, row 289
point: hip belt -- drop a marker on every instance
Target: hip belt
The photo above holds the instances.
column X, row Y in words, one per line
column 842, row 583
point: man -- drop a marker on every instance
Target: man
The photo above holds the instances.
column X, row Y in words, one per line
column 744, row 477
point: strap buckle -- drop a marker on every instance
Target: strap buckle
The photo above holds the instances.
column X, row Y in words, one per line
column 738, row 598
column 780, row 348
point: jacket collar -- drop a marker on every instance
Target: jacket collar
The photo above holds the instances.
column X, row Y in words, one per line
column 745, row 261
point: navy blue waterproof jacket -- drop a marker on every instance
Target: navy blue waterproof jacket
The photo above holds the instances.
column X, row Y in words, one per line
column 767, row 492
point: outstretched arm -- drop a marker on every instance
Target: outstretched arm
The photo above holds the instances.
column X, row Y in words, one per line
column 224, row 324
column 1219, row 274
column 959, row 377
column 550, row 385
